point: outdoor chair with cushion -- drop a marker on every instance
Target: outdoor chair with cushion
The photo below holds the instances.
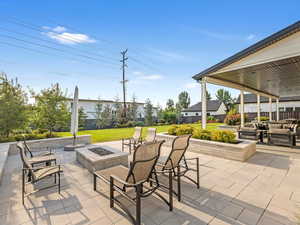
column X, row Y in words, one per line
column 250, row 133
column 32, row 153
column 122, row 179
column 177, row 163
column 37, row 174
column 134, row 140
column 284, row 137
column 151, row 135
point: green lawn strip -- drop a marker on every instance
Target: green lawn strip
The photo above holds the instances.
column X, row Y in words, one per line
column 114, row 134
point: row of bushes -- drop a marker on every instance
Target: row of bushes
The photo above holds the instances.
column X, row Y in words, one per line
column 226, row 136
column 36, row 134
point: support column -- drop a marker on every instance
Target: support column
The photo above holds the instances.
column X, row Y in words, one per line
column 270, row 109
column 204, row 102
column 242, row 109
column 258, row 108
column 277, row 109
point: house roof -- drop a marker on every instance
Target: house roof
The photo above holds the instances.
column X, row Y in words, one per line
column 250, row 50
column 212, row 106
column 252, row 98
column 106, row 101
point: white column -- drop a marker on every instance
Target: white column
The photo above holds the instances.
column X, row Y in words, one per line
column 258, row 108
column 270, row 109
column 277, row 109
column 204, row 103
column 242, row 109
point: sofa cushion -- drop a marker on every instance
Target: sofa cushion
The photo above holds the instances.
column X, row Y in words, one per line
column 275, row 126
column 279, row 131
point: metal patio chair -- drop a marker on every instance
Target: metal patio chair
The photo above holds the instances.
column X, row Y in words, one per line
column 37, row 174
column 121, row 178
column 34, row 154
column 151, row 135
column 177, row 163
column 134, row 140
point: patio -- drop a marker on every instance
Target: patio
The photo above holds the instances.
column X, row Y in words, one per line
column 264, row 190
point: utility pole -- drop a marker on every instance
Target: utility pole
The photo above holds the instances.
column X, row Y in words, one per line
column 123, row 61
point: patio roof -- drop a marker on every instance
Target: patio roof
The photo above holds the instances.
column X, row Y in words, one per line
column 271, row 67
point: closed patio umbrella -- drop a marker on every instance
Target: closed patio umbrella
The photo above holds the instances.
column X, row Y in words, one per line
column 74, row 118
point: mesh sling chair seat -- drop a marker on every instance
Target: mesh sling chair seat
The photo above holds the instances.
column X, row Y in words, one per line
column 135, row 177
column 177, row 163
column 134, row 140
column 37, row 173
column 151, row 135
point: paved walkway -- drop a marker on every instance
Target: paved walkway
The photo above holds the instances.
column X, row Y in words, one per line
column 265, row 191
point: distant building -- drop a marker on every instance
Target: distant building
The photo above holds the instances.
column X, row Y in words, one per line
column 286, row 104
column 89, row 108
column 215, row 108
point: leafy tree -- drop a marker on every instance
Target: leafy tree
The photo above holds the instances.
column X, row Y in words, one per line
column 98, row 111
column 160, row 113
column 81, row 118
column 13, row 101
column 208, row 96
column 148, row 113
column 170, row 117
column 170, row 105
column 118, row 111
column 225, row 97
column 51, row 108
column 184, row 100
column 133, row 109
column 106, row 117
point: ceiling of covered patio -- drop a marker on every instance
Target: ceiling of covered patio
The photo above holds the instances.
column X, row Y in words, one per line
column 270, row 67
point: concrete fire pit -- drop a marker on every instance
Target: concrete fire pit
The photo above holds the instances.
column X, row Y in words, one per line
column 98, row 157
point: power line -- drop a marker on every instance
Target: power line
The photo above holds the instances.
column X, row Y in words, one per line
column 123, row 61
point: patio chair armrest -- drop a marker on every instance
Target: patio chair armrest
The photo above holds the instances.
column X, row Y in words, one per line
column 44, row 167
column 194, row 158
column 124, row 182
column 163, row 171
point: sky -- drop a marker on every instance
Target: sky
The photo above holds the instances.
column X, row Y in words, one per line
column 79, row 42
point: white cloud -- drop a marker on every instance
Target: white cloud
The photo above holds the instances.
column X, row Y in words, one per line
column 152, row 77
column 59, row 34
column 59, row 29
column 137, row 73
column 191, row 85
column 250, row 37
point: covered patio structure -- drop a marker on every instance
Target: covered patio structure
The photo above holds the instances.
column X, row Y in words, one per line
column 270, row 68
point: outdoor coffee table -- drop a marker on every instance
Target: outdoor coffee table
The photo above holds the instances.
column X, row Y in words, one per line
column 100, row 156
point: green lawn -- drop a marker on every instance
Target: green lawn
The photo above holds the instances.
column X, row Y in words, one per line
column 119, row 133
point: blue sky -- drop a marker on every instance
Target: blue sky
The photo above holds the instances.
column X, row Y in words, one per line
column 79, row 42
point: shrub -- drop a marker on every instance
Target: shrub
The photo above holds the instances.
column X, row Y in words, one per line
column 226, row 136
column 32, row 136
column 139, row 124
column 184, row 129
column 173, row 130
column 211, row 118
column 263, row 118
column 233, row 119
column 202, row 134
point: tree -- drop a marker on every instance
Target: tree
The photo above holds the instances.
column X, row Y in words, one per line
column 118, row 111
column 106, row 117
column 148, row 113
column 52, row 110
column 98, row 111
column 81, row 119
column 13, row 101
column 225, row 97
column 208, row 96
column 184, row 100
column 133, row 109
column 170, row 105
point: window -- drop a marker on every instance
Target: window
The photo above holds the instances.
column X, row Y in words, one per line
column 289, row 109
column 281, row 109
column 297, row 109
column 186, row 114
column 197, row 114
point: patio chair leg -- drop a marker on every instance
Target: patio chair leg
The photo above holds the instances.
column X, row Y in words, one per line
column 111, row 192
column 178, row 184
column 58, row 182
column 198, row 173
column 122, row 145
column 138, row 204
column 54, row 178
column 95, row 182
column 170, row 191
column 23, row 186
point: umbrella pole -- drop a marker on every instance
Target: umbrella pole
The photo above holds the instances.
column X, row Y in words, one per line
column 74, row 139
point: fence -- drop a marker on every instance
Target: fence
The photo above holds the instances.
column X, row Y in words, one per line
column 282, row 115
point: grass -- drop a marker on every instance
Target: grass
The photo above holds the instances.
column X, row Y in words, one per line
column 114, row 134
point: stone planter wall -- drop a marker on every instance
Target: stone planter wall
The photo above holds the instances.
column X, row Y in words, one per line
column 43, row 144
column 240, row 152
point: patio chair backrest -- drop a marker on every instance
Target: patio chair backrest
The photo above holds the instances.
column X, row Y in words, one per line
column 137, row 133
column 151, row 135
column 179, row 147
column 24, row 158
column 26, row 147
column 144, row 160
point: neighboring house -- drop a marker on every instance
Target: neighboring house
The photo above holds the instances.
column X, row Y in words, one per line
column 286, row 104
column 215, row 108
column 89, row 106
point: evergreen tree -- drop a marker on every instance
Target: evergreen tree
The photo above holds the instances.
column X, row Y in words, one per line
column 148, row 113
column 170, row 105
column 106, row 117
column 225, row 97
column 98, row 111
column 81, row 119
column 133, row 109
column 13, row 101
column 184, row 100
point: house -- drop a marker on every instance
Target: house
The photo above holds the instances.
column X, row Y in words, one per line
column 89, row 108
column 287, row 104
column 215, row 108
